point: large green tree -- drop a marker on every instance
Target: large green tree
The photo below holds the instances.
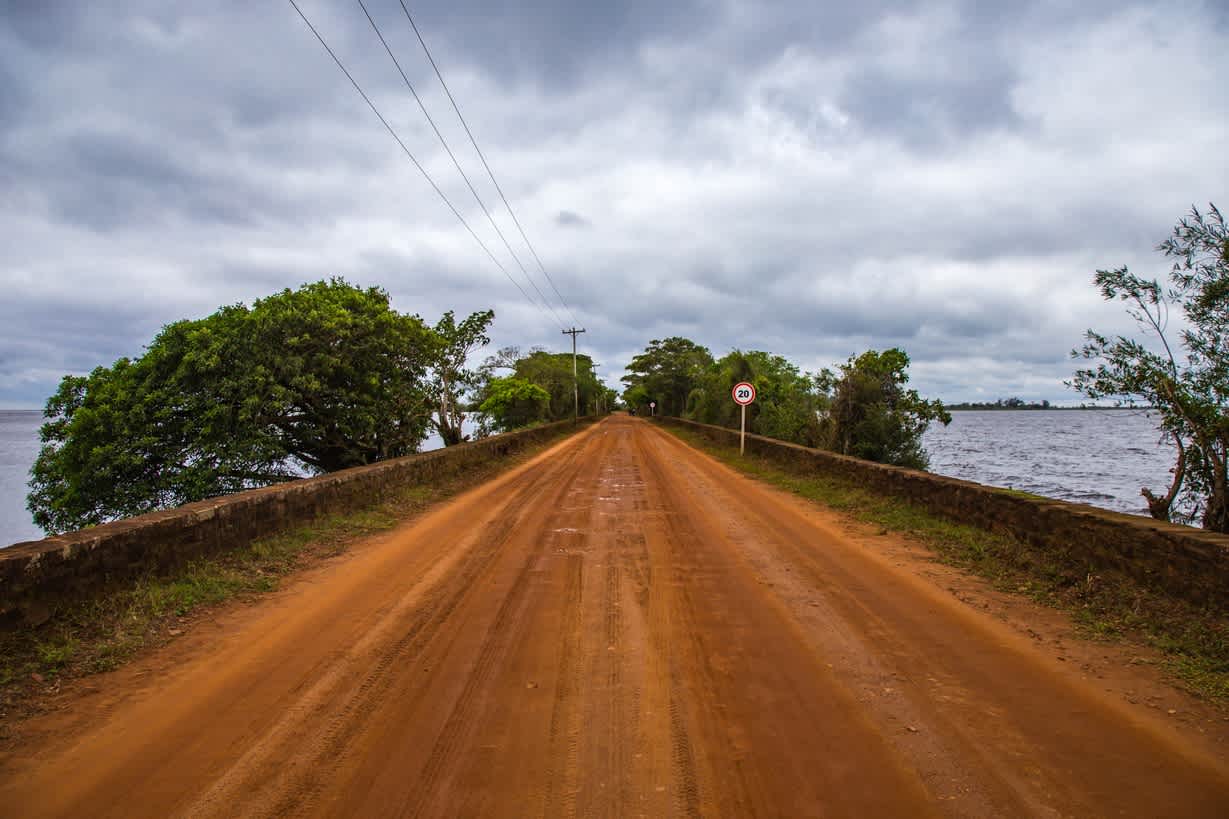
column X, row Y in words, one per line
column 1184, row 376
column 311, row 380
column 668, row 370
column 872, row 414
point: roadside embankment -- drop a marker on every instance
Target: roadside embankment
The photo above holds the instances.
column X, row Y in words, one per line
column 36, row 573
column 1179, row 561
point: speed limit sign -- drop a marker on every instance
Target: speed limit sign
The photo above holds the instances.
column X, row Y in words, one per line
column 744, row 394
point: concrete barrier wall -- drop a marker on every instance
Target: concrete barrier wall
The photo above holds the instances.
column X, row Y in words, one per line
column 34, row 572
column 1178, row 560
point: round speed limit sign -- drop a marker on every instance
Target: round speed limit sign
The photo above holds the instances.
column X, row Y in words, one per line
column 743, row 393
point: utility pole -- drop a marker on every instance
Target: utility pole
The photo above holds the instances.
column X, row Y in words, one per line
column 601, row 391
column 575, row 382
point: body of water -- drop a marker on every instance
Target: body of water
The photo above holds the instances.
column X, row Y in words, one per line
column 18, row 449
column 1100, row 457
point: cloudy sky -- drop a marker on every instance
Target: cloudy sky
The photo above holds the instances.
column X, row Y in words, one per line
column 808, row 177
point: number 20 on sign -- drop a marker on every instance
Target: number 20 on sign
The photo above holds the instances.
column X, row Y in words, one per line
column 744, row 394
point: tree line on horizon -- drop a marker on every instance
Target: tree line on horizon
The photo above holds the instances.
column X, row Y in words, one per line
column 863, row 408
column 1001, row 403
column 1020, row 404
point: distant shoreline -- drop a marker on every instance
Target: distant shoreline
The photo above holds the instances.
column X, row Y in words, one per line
column 992, row 408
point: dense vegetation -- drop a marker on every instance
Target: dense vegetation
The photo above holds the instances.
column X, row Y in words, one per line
column 537, row 387
column 317, row 379
column 1184, row 376
column 863, row 409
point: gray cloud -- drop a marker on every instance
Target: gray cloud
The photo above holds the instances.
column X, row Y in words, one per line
column 811, row 179
column 567, row 218
column 555, row 44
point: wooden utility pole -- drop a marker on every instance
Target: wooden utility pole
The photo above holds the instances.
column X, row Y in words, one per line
column 600, row 399
column 575, row 382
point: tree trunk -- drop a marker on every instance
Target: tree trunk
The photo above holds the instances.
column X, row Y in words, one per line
column 451, row 435
column 1162, row 508
column 1216, row 516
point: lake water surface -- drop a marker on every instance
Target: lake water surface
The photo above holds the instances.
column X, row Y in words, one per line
column 1096, row 457
column 18, row 449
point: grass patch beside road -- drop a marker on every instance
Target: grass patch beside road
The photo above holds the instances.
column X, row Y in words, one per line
column 1193, row 640
column 105, row 630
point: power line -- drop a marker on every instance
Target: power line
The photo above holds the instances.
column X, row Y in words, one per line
column 481, row 156
column 444, row 142
column 421, row 169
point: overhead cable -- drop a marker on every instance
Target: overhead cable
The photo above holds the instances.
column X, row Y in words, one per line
column 448, row 150
column 409, row 154
column 481, row 156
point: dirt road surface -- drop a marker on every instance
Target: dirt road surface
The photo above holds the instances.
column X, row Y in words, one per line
column 621, row 627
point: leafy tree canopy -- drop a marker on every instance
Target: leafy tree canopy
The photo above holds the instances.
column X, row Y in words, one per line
column 872, row 415
column 553, row 373
column 787, row 405
column 636, row 399
column 865, row 410
column 511, row 403
column 316, row 379
column 668, row 370
column 550, row 372
column 1185, row 376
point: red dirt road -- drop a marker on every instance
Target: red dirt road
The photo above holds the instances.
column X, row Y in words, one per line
column 621, row 627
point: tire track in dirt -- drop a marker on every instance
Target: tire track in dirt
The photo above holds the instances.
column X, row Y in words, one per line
column 510, row 623
column 672, row 633
column 564, row 741
column 745, row 657
column 345, row 713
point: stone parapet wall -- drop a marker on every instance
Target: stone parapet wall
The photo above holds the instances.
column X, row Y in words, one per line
column 1177, row 560
column 35, row 572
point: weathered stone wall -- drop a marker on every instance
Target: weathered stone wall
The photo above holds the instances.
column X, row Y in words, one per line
column 35, row 572
column 1176, row 560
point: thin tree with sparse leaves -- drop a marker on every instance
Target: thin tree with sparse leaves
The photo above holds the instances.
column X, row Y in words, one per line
column 1183, row 375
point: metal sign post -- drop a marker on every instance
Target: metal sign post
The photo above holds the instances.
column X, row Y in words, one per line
column 744, row 394
column 652, row 408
